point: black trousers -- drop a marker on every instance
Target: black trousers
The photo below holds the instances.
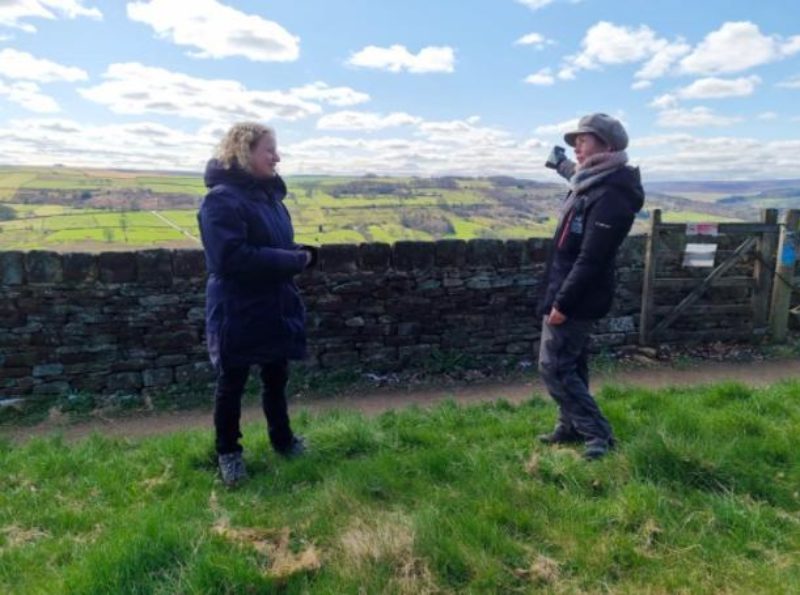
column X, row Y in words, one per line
column 228, row 405
column 564, row 366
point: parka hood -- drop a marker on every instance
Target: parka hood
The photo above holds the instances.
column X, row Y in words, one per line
column 628, row 181
column 217, row 174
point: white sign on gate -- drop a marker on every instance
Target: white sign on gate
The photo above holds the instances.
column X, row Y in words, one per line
column 699, row 255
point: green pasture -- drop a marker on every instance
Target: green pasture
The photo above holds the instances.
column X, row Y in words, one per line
column 701, row 496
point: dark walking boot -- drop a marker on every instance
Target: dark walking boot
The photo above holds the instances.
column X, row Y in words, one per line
column 597, row 448
column 231, row 468
column 561, row 435
column 295, row 448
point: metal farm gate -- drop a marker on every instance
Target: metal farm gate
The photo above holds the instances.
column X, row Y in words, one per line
column 713, row 281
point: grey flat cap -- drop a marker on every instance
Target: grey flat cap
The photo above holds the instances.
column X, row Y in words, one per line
column 607, row 129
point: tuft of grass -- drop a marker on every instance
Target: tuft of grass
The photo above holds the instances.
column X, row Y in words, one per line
column 701, row 496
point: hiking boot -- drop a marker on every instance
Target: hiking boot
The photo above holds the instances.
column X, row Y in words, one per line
column 597, row 448
column 561, row 435
column 296, row 448
column 231, row 468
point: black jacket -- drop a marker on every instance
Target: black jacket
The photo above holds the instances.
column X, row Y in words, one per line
column 580, row 271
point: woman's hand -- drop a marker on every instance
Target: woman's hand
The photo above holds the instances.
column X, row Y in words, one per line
column 555, row 318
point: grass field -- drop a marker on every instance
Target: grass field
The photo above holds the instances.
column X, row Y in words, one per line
column 60, row 206
column 56, row 178
column 701, row 497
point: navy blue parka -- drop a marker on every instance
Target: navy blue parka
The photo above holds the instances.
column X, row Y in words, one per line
column 254, row 312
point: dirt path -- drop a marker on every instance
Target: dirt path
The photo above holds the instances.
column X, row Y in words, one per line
column 753, row 374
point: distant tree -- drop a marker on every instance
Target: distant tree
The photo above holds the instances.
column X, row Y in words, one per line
column 7, row 213
column 108, row 234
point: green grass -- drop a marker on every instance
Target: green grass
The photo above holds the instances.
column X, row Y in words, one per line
column 52, row 226
column 701, row 497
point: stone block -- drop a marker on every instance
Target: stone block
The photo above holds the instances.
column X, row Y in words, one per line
column 516, row 253
column 79, row 267
column 51, row 389
column 375, row 256
column 155, row 301
column 335, row 258
column 171, row 360
column 519, row 348
column 450, row 253
column 117, row 267
column 43, row 267
column 483, row 252
column 154, row 267
column 12, row 268
column 157, row 377
column 196, row 373
column 409, row 255
column 45, row 370
column 125, row 381
column 409, row 329
column 339, row 359
column 188, row 264
column 539, row 249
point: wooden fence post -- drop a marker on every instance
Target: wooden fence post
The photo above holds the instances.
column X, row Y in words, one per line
column 646, row 318
column 765, row 255
column 784, row 277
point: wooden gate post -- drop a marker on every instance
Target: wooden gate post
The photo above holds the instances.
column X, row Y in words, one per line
column 648, row 297
column 765, row 255
column 784, row 277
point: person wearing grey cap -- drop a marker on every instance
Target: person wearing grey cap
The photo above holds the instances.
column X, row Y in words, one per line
column 605, row 194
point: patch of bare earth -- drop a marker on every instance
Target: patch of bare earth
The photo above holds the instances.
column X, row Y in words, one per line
column 387, row 539
column 281, row 561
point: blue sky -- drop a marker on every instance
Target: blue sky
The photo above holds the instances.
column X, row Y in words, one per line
column 707, row 90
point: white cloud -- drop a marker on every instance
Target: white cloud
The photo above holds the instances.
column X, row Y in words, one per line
column 693, row 118
column 138, row 145
column 543, row 78
column 14, row 13
column 29, row 96
column 557, row 129
column 666, row 101
column 767, row 116
column 397, row 58
column 467, row 133
column 664, row 56
column 716, row 87
column 21, row 65
column 338, row 96
column 685, row 157
column 537, row 40
column 791, row 83
column 459, row 147
column 366, row 121
column 132, row 88
column 566, row 74
column 217, row 30
column 737, row 46
column 535, row 4
column 640, row 85
column 607, row 43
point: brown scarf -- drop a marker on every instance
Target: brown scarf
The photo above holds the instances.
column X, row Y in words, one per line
column 595, row 168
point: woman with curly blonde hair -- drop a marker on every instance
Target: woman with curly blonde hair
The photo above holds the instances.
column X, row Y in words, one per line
column 254, row 312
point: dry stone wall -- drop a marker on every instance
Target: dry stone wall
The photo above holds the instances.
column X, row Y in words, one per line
column 127, row 323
